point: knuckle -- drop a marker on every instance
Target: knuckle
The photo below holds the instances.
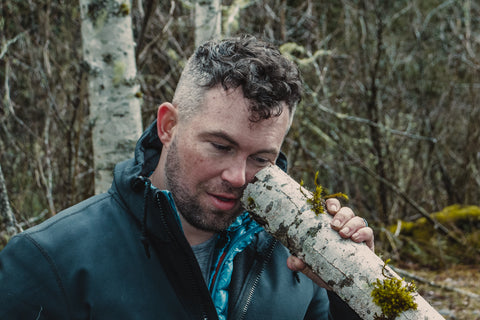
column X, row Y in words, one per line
column 347, row 212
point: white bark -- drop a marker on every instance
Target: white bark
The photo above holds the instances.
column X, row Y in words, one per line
column 114, row 93
column 276, row 202
column 208, row 16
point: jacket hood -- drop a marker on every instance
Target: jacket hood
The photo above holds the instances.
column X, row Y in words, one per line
column 130, row 176
column 147, row 153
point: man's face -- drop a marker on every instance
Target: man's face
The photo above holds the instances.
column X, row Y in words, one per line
column 213, row 155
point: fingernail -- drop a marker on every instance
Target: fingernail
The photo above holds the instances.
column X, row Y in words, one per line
column 332, row 207
column 355, row 237
column 336, row 223
column 346, row 230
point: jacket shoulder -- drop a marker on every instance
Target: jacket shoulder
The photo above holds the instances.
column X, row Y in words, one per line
column 70, row 219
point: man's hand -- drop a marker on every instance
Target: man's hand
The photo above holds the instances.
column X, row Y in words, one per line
column 348, row 226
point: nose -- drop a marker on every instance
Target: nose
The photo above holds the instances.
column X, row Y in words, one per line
column 235, row 173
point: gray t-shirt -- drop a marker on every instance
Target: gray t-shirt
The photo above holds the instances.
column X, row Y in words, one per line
column 204, row 254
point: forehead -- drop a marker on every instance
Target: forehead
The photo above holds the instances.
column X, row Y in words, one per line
column 228, row 110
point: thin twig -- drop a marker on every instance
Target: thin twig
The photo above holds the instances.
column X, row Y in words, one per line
column 434, row 284
column 343, row 116
column 9, row 43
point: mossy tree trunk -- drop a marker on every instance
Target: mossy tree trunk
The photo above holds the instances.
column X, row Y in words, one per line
column 114, row 94
column 280, row 204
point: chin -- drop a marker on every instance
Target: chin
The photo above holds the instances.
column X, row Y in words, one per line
column 218, row 223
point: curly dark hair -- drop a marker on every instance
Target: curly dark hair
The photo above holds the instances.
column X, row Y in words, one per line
column 266, row 77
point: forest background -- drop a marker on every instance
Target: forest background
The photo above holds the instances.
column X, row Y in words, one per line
column 390, row 114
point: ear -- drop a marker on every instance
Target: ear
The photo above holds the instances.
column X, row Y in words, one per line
column 167, row 119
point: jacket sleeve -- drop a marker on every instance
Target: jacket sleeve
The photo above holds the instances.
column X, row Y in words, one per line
column 30, row 287
column 319, row 306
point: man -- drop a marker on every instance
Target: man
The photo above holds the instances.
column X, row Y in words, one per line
column 170, row 239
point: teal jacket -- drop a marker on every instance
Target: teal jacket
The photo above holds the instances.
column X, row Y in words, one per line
column 123, row 255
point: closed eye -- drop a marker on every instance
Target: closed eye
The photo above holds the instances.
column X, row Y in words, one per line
column 221, row 147
column 261, row 161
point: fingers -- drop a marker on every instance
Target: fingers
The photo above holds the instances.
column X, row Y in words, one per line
column 364, row 235
column 341, row 217
column 333, row 205
column 349, row 225
column 295, row 264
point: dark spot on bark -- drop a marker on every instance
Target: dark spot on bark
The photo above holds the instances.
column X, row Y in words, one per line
column 107, row 58
column 282, row 233
column 297, row 221
column 251, row 205
column 347, row 282
column 269, row 207
column 312, row 232
column 261, row 221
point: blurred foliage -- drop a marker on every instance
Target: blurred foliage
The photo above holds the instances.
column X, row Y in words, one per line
column 419, row 243
column 390, row 112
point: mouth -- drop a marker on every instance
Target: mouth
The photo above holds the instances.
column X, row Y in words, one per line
column 224, row 201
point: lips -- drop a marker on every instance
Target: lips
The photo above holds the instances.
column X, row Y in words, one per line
column 224, row 201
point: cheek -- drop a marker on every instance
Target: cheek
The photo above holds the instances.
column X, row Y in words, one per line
column 197, row 167
column 250, row 174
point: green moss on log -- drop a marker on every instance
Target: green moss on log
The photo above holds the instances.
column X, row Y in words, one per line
column 393, row 296
column 317, row 200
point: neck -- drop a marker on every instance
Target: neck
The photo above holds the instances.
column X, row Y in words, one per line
column 194, row 235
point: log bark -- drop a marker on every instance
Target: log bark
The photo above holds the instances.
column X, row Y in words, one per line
column 113, row 90
column 276, row 202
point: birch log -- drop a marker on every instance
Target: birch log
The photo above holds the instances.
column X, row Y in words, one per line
column 113, row 90
column 276, row 202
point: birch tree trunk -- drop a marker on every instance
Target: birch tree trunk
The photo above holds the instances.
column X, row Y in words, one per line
column 350, row 269
column 208, row 16
column 114, row 93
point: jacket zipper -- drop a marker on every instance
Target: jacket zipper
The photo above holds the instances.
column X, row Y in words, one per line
column 191, row 274
column 257, row 279
column 213, row 285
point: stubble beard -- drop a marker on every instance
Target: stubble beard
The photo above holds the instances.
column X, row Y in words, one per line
column 188, row 204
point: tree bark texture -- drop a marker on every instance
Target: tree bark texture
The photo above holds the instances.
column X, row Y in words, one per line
column 114, row 93
column 208, row 16
column 276, row 202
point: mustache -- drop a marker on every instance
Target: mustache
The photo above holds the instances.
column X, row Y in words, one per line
column 227, row 188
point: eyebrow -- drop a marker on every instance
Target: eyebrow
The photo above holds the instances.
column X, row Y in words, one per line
column 223, row 135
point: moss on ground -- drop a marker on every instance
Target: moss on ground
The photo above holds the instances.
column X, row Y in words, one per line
column 420, row 243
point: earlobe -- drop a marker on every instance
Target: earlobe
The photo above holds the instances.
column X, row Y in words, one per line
column 166, row 122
